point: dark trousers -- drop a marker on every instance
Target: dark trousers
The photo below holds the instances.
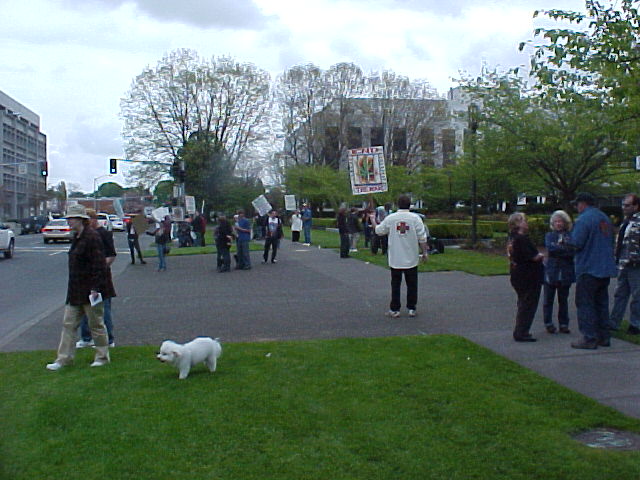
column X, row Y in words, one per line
column 134, row 244
column 411, row 279
column 273, row 243
column 528, row 299
column 379, row 242
column 295, row 235
column 592, row 303
column 563, row 304
column 223, row 259
column 345, row 241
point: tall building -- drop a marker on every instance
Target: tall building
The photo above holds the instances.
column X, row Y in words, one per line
column 24, row 155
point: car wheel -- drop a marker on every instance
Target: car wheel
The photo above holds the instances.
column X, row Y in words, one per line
column 9, row 253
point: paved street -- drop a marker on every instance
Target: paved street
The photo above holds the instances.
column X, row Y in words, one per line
column 312, row 293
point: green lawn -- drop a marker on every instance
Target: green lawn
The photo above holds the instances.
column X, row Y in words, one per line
column 428, row 407
column 623, row 335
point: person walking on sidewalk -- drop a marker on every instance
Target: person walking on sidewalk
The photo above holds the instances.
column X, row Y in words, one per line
column 272, row 236
column 628, row 260
column 407, row 247
column 592, row 237
column 108, row 292
column 87, row 276
column 162, row 237
column 526, row 275
column 559, row 271
column 134, row 243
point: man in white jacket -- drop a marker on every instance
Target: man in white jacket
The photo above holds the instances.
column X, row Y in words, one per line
column 407, row 247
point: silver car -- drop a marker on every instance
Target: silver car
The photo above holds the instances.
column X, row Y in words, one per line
column 103, row 221
column 57, row 229
column 116, row 223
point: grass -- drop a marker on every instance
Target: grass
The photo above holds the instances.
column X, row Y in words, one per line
column 435, row 407
column 622, row 334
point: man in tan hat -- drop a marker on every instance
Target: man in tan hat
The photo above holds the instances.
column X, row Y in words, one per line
column 87, row 275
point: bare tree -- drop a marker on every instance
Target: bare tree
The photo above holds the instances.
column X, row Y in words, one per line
column 184, row 94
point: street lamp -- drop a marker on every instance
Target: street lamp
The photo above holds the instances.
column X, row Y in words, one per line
column 473, row 127
column 95, row 191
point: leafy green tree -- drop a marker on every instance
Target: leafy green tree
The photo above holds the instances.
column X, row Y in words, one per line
column 164, row 191
column 318, row 184
column 110, row 189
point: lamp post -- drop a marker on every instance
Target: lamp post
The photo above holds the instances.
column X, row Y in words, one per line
column 95, row 191
column 473, row 127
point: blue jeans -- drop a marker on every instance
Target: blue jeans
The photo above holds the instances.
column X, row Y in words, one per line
column 628, row 286
column 162, row 264
column 306, row 228
column 592, row 303
column 85, row 332
column 563, row 304
column 244, row 260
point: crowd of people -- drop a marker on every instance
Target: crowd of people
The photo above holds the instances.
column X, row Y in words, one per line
column 586, row 254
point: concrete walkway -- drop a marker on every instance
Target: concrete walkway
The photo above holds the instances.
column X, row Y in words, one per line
column 311, row 293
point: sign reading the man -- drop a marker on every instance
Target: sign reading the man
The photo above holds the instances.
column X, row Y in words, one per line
column 367, row 171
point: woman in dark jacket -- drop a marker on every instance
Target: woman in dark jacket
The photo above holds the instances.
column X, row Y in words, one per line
column 224, row 237
column 559, row 272
column 343, row 230
column 526, row 275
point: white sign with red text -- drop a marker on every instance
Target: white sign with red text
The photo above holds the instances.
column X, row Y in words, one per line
column 367, row 170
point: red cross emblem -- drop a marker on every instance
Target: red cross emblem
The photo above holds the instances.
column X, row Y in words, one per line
column 402, row 227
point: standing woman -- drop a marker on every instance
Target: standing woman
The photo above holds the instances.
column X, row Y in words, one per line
column 296, row 226
column 343, row 230
column 224, row 237
column 526, row 275
column 162, row 235
column 559, row 272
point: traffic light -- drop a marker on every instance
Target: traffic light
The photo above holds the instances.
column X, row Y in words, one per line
column 113, row 166
column 44, row 171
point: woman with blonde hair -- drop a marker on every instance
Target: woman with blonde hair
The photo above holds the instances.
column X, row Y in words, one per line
column 526, row 275
column 559, row 272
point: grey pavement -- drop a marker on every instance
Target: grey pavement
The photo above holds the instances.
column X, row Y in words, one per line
column 313, row 294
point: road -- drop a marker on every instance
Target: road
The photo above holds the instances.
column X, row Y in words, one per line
column 34, row 282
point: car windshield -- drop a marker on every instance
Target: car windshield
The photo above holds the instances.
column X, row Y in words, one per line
column 57, row 223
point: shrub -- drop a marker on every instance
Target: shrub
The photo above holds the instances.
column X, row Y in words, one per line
column 324, row 222
column 458, row 230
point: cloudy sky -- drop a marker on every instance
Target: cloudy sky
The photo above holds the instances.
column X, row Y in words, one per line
column 70, row 61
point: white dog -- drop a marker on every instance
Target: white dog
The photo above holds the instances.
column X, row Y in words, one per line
column 183, row 357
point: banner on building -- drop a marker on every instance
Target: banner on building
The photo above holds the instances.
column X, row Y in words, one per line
column 367, row 171
column 290, row 202
column 262, row 205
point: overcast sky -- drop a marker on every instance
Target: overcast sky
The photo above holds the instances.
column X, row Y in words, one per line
column 70, row 61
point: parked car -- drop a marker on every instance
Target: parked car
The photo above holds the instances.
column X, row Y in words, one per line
column 116, row 223
column 33, row 224
column 7, row 240
column 103, row 221
column 58, row 229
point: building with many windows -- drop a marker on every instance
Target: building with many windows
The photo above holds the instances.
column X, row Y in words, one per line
column 24, row 157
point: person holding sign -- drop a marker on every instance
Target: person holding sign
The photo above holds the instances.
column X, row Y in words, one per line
column 407, row 247
column 272, row 236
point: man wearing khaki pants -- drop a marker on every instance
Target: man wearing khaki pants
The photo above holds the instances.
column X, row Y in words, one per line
column 87, row 276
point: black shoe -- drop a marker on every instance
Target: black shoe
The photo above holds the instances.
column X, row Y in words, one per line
column 551, row 329
column 564, row 329
column 633, row 330
column 142, row 262
column 525, row 339
column 133, row 262
column 604, row 343
column 585, row 344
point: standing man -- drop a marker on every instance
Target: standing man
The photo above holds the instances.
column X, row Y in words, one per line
column 272, row 236
column 198, row 229
column 87, row 275
column 109, row 291
column 134, row 243
column 306, row 223
column 407, row 236
column 243, row 235
column 628, row 260
column 592, row 237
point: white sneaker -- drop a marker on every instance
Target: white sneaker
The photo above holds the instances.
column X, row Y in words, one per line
column 112, row 344
column 306, row 244
column 412, row 313
column 83, row 344
column 54, row 366
column 393, row 314
column 99, row 363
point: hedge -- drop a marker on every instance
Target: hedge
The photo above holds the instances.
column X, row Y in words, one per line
column 458, row 230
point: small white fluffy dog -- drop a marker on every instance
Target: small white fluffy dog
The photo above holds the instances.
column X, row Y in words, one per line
column 183, row 357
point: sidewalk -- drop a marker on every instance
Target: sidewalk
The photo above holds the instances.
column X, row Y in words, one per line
column 312, row 293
